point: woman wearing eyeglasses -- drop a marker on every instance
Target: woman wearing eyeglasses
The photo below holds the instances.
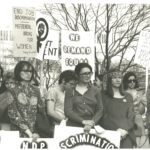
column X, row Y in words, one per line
column 130, row 84
column 83, row 104
column 23, row 110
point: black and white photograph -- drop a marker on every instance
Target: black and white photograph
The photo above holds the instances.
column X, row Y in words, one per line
column 74, row 75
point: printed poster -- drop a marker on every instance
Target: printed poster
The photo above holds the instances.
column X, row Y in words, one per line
column 77, row 47
column 47, row 39
column 24, row 32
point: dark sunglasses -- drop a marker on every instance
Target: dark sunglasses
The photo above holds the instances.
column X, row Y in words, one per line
column 130, row 81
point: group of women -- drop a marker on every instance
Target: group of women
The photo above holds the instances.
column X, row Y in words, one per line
column 79, row 102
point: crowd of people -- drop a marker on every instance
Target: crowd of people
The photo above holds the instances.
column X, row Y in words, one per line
column 121, row 106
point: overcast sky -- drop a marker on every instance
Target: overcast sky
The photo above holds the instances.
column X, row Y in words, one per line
column 6, row 6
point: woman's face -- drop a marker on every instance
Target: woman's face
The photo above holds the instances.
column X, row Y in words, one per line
column 85, row 75
column 116, row 79
column 131, row 82
column 26, row 73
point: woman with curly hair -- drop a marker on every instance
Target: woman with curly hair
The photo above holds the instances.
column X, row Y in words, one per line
column 130, row 84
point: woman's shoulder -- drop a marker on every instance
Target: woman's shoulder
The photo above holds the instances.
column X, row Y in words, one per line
column 128, row 97
column 94, row 88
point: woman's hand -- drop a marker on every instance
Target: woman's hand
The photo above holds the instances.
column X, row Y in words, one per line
column 123, row 133
column 35, row 136
column 88, row 122
column 87, row 128
column 29, row 133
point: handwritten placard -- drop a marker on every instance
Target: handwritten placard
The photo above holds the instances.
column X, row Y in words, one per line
column 142, row 56
column 24, row 31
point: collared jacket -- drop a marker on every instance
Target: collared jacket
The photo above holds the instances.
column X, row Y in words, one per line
column 78, row 107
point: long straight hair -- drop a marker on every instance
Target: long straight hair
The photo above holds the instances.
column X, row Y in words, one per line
column 109, row 89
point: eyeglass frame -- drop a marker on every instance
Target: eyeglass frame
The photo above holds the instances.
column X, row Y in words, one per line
column 86, row 74
column 25, row 70
column 133, row 80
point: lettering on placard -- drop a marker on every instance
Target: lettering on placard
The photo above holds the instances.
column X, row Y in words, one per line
column 86, row 139
column 34, row 145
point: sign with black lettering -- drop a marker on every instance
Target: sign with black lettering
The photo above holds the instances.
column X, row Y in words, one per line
column 24, row 31
column 47, row 40
column 142, row 56
column 75, row 138
column 77, row 47
column 34, row 145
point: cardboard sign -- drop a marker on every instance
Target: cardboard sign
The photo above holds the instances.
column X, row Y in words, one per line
column 24, row 31
column 77, row 47
column 142, row 56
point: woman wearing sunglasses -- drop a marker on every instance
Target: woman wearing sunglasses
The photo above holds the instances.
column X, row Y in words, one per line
column 23, row 110
column 83, row 104
column 130, row 84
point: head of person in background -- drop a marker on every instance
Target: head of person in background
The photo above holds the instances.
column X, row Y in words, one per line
column 98, row 82
column 2, row 83
column 84, row 73
column 24, row 72
column 114, row 82
column 130, row 81
column 55, row 96
column 67, row 79
column 9, row 80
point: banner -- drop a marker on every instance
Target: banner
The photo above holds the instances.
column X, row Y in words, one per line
column 75, row 138
column 77, row 47
column 142, row 56
column 9, row 140
column 47, row 40
column 24, row 31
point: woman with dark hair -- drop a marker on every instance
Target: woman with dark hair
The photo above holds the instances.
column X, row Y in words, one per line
column 23, row 110
column 83, row 104
column 118, row 110
column 5, row 100
column 130, row 84
column 56, row 95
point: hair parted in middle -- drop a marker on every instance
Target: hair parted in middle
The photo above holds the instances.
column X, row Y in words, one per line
column 109, row 89
column 18, row 68
column 126, row 78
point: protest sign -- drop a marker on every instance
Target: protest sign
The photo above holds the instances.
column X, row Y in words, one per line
column 142, row 56
column 74, row 137
column 47, row 40
column 24, row 32
column 9, row 140
column 77, row 47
